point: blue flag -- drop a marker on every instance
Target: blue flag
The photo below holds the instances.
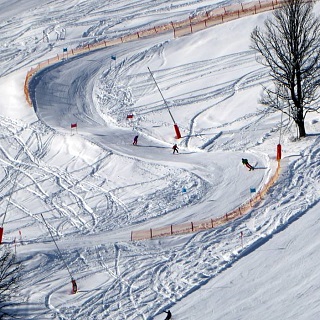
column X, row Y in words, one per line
column 65, row 49
column 113, row 57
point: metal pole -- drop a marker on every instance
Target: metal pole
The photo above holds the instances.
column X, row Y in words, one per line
column 280, row 128
column 56, row 245
column 165, row 102
column 5, row 213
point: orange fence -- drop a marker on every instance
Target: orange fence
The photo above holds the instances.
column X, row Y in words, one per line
column 206, row 224
column 221, row 15
column 180, row 28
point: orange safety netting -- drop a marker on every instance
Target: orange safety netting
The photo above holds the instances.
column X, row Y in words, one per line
column 180, row 28
column 210, row 223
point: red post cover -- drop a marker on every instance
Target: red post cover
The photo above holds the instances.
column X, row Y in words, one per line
column 279, row 152
column 178, row 134
column 1, row 234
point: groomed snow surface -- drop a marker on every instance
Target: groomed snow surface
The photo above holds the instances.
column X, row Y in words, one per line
column 93, row 187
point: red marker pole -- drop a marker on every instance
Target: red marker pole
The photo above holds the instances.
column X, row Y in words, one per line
column 1, row 234
column 279, row 152
column 279, row 144
column 178, row 134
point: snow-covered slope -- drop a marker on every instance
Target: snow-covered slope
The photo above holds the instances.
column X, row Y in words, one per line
column 93, row 187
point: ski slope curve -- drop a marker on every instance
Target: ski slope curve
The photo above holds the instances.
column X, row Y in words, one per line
column 93, row 185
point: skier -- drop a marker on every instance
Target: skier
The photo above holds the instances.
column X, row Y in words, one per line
column 246, row 163
column 74, row 286
column 168, row 317
column 135, row 140
column 175, row 148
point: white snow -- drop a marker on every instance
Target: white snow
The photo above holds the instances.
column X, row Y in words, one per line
column 93, row 187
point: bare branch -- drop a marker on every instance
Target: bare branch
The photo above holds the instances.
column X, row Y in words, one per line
column 290, row 47
column 10, row 270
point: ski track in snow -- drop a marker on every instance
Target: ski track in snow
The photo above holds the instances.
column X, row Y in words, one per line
column 189, row 73
column 22, row 44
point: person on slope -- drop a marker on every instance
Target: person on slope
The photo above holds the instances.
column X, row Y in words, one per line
column 74, row 286
column 175, row 148
column 135, row 140
column 168, row 317
column 246, row 163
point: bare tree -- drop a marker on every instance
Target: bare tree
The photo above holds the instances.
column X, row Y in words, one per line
column 290, row 47
column 9, row 276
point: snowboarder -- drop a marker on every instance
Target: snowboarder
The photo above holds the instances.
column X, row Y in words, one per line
column 175, row 148
column 168, row 317
column 246, row 163
column 135, row 140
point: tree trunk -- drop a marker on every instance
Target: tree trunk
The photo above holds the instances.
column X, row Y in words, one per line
column 302, row 130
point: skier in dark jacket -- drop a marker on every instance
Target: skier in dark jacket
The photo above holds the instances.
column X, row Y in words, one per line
column 175, row 148
column 135, row 140
column 168, row 317
column 246, row 163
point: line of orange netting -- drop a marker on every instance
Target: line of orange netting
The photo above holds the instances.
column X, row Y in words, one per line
column 180, row 28
column 210, row 223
